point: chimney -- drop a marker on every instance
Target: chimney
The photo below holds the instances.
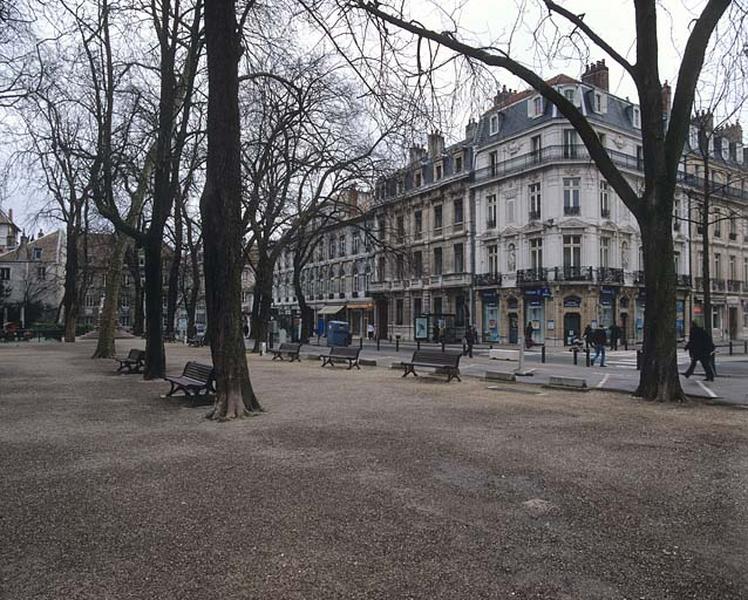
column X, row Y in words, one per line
column 10, row 215
column 596, row 74
column 667, row 100
column 415, row 154
column 435, row 144
column 502, row 97
column 41, row 234
column 704, row 120
column 470, row 129
column 733, row 133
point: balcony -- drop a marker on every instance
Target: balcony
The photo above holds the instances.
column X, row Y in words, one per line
column 491, row 224
column 573, row 273
column 609, row 275
column 605, row 213
column 578, row 154
column 451, row 279
column 488, row 279
column 718, row 284
column 683, row 281
column 534, row 215
column 734, row 285
column 638, row 277
column 733, row 236
column 531, row 276
column 571, row 211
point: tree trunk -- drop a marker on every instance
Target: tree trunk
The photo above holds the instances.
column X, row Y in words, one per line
column 658, row 379
column 70, row 297
column 307, row 314
column 174, row 271
column 133, row 264
column 260, row 318
column 221, row 207
column 105, row 346
column 155, row 356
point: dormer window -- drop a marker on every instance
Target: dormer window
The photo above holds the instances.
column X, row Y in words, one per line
column 636, row 117
column 537, row 106
column 418, row 179
column 458, row 164
column 37, row 253
column 438, row 171
column 494, row 124
column 569, row 95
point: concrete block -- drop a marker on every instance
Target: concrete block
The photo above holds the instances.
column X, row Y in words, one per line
column 499, row 376
column 569, row 383
column 503, row 354
column 367, row 362
column 396, row 365
column 311, row 356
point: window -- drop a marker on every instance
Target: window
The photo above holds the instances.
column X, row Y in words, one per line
column 399, row 303
column 417, row 224
column 41, row 273
column 355, row 241
column 536, row 253
column 400, row 267
column 103, row 280
column 37, row 254
column 604, row 252
column 570, row 143
column 438, row 264
column 534, row 201
column 745, row 270
column 90, row 301
column 418, row 263
column 717, row 224
column 571, row 195
column 400, row 228
column 624, row 255
column 437, row 305
column 700, row 264
column 537, row 106
column 491, row 211
column 494, row 125
column 381, row 268
column 418, row 179
column 342, row 245
column 417, row 307
column 510, row 210
column 493, row 259
column 718, row 266
column 604, row 201
column 331, row 248
column 598, row 102
column 356, row 280
column 572, row 250
column 4, row 273
column 569, row 95
column 733, row 268
column 733, row 225
column 493, row 162
column 438, row 171
column 458, row 164
column 124, row 301
column 458, row 213
column 536, row 148
column 438, row 218
column 636, row 117
column 639, row 158
column 459, row 262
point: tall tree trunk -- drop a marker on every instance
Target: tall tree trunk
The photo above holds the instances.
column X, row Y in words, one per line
column 174, row 271
column 659, row 372
column 221, row 208
column 155, row 356
column 105, row 346
column 307, row 314
column 70, row 297
column 260, row 318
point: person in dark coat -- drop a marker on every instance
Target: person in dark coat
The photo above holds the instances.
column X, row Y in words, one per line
column 615, row 335
column 587, row 335
column 469, row 341
column 528, row 335
column 700, row 348
column 599, row 338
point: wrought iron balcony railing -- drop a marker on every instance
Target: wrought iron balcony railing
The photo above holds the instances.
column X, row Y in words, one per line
column 573, row 273
column 538, row 275
column 488, row 279
column 609, row 275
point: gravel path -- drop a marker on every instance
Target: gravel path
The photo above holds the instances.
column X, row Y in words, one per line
column 360, row 485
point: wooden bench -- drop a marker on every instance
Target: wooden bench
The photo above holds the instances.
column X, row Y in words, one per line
column 290, row 350
column 444, row 362
column 195, row 379
column 133, row 362
column 342, row 354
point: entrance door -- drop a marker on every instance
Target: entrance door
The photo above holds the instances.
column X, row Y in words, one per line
column 733, row 322
column 382, row 317
column 624, row 326
column 572, row 326
column 513, row 328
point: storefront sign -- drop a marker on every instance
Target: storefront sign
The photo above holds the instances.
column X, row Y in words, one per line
column 543, row 292
column 551, row 324
column 572, row 302
column 488, row 296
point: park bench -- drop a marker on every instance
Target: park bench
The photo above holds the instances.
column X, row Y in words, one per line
column 444, row 362
column 133, row 362
column 290, row 350
column 342, row 354
column 195, row 379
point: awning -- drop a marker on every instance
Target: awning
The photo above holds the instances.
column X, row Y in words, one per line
column 362, row 305
column 330, row 310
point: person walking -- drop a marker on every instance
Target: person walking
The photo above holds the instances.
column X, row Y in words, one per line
column 599, row 338
column 700, row 348
column 587, row 335
column 469, row 341
column 370, row 331
column 528, row 335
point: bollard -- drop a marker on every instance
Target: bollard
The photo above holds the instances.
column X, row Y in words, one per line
column 418, row 345
column 638, row 360
column 377, row 344
column 745, row 346
column 361, row 343
column 587, row 357
column 397, row 343
column 542, row 354
column 464, row 349
column 730, row 348
column 442, row 345
column 625, row 344
column 574, row 352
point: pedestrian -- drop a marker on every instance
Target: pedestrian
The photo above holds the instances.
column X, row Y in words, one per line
column 436, row 332
column 370, row 331
column 614, row 334
column 599, row 339
column 528, row 335
column 587, row 335
column 700, row 348
column 469, row 341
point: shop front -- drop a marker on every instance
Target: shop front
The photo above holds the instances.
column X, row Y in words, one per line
column 572, row 318
column 490, row 316
column 606, row 315
column 535, row 299
column 360, row 314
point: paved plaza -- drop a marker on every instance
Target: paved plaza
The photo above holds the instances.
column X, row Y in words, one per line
column 360, row 484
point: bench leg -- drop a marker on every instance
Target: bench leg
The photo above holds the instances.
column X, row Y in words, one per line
column 172, row 390
column 410, row 369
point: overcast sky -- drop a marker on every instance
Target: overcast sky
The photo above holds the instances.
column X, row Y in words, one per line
column 487, row 22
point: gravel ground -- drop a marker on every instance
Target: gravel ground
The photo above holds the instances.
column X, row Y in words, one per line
column 360, row 485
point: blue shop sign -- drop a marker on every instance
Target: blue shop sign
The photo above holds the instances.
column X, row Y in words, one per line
column 572, row 302
column 542, row 292
column 489, row 296
column 609, row 291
